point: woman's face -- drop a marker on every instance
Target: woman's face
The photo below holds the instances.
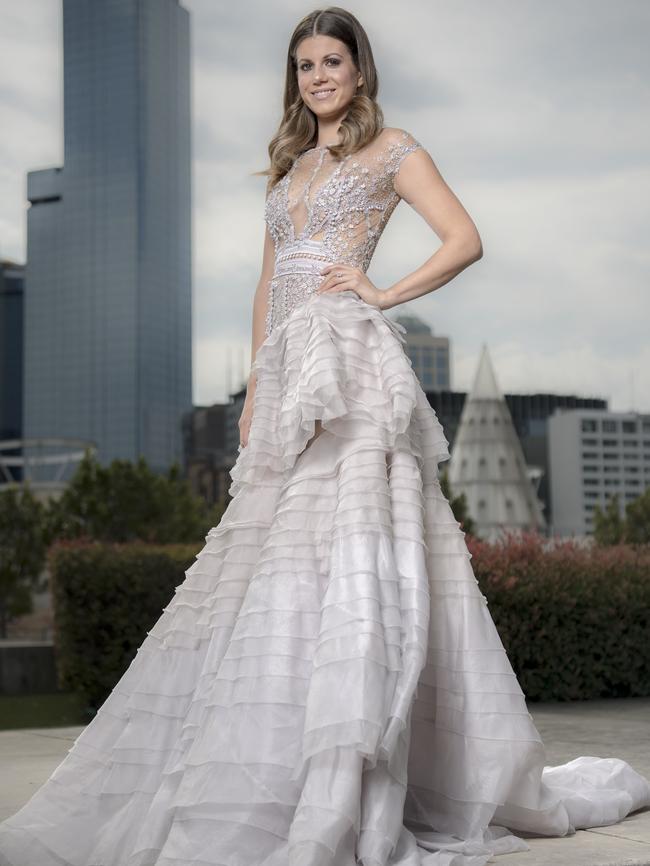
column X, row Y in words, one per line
column 327, row 76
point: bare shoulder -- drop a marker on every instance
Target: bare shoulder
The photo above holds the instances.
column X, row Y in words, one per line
column 392, row 136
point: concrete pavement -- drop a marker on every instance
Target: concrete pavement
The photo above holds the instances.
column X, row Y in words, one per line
column 617, row 728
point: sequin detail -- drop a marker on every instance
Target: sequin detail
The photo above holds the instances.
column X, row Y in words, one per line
column 327, row 210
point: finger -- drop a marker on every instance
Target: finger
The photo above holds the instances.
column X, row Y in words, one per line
column 339, row 287
column 333, row 279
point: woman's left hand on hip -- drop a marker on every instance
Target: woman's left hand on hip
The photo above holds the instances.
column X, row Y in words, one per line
column 342, row 278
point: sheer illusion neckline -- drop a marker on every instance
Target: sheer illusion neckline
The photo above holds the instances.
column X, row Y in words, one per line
column 319, row 147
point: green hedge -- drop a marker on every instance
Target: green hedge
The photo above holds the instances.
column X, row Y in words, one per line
column 106, row 598
column 575, row 621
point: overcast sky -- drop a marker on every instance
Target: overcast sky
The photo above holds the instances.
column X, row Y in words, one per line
column 536, row 112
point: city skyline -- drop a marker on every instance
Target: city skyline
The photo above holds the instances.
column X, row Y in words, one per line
column 534, row 115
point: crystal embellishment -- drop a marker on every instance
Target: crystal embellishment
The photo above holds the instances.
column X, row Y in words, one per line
column 326, row 210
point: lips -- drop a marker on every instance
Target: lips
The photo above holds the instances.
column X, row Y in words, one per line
column 324, row 93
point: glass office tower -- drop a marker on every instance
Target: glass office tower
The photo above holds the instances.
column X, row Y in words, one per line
column 12, row 278
column 108, row 308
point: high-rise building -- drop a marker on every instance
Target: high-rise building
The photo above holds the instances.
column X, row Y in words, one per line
column 429, row 354
column 108, row 282
column 11, row 349
column 594, row 455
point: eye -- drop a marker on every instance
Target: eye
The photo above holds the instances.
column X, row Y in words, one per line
column 333, row 60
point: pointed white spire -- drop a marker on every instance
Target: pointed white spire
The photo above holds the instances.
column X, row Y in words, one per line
column 487, row 462
column 485, row 383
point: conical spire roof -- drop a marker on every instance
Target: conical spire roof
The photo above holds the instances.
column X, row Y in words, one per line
column 487, row 462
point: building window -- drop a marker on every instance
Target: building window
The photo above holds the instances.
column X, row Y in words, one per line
column 629, row 426
column 589, row 425
column 609, row 426
column 589, row 441
column 610, row 443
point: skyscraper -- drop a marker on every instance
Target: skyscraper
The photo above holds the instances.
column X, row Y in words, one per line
column 108, row 281
column 12, row 279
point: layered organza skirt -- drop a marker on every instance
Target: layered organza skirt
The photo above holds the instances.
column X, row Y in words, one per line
column 327, row 686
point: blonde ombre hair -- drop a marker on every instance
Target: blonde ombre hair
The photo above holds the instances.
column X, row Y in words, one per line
column 298, row 130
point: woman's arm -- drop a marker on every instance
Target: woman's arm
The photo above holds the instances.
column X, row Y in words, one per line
column 260, row 302
column 260, row 307
column 421, row 185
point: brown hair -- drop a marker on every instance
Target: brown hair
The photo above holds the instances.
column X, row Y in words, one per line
column 298, row 129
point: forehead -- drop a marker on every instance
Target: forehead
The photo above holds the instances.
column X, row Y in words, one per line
column 312, row 47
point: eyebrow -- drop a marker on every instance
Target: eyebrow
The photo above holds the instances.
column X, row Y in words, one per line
column 331, row 54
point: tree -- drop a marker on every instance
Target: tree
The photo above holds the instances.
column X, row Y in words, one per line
column 637, row 519
column 610, row 528
column 458, row 505
column 23, row 546
column 127, row 501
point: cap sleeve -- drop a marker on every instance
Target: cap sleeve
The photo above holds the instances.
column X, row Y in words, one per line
column 400, row 145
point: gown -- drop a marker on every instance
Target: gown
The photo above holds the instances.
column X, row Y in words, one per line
column 327, row 686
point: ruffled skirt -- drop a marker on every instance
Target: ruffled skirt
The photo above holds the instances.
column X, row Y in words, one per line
column 327, row 686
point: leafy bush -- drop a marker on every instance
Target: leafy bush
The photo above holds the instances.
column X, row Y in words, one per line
column 106, row 598
column 127, row 501
column 574, row 620
column 23, row 545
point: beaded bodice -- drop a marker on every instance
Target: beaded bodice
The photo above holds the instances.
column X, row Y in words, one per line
column 326, row 211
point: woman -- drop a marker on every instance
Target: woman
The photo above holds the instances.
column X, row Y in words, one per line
column 327, row 686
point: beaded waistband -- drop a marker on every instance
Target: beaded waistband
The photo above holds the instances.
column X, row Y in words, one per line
column 304, row 257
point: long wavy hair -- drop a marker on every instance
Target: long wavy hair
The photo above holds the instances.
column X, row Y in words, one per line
column 298, row 130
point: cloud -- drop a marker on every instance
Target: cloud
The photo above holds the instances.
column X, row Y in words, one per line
column 533, row 112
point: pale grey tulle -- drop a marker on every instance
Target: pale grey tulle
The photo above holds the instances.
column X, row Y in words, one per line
column 327, row 685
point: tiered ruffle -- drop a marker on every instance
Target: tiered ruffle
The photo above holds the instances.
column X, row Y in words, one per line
column 326, row 686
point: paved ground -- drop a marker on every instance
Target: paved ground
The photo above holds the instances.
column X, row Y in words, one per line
column 606, row 728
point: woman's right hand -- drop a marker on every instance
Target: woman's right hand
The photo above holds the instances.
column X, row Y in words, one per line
column 245, row 420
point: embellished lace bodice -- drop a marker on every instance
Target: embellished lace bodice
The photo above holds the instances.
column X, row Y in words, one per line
column 326, row 211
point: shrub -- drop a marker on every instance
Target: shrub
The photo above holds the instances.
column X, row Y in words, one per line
column 573, row 619
column 106, row 597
